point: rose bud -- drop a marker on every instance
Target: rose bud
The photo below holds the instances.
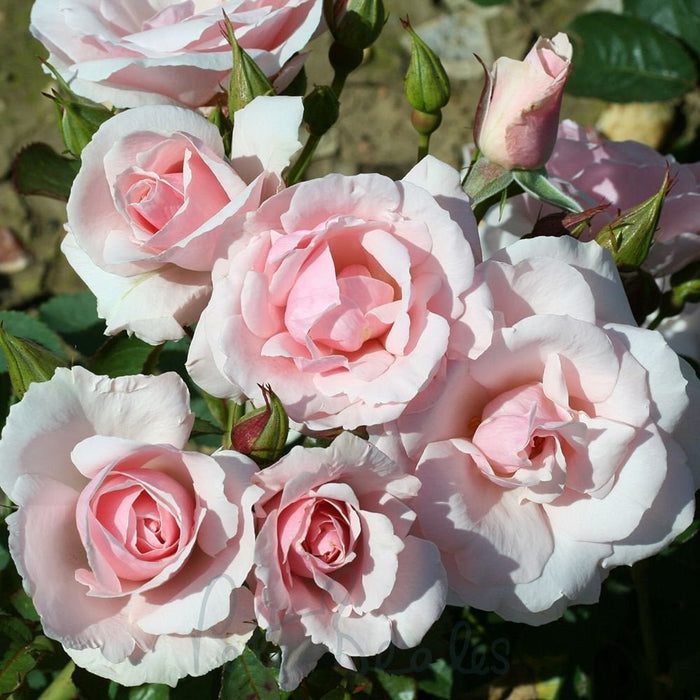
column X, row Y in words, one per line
column 262, row 433
column 630, row 235
column 518, row 113
column 356, row 24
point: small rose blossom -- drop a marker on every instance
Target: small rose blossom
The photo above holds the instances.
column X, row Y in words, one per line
column 336, row 567
column 134, row 551
column 341, row 296
column 143, row 52
column 517, row 116
column 156, row 202
column 563, row 450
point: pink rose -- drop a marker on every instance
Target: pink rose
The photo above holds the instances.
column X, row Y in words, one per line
column 156, row 202
column 335, row 566
column 343, row 296
column 171, row 51
column 517, row 116
column 594, row 170
column 563, row 450
column 134, row 552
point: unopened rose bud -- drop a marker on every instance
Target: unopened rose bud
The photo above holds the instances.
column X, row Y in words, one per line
column 518, row 113
column 247, row 80
column 78, row 117
column 426, row 84
column 262, row 433
column 355, row 24
column 630, row 235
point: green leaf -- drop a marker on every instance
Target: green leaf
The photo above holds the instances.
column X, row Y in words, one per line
column 441, row 685
column 246, row 678
column 150, row 691
column 22, row 603
column 205, row 427
column 122, row 355
column 38, row 169
column 70, row 313
column 397, row 687
column 536, row 183
column 620, row 58
column 489, row 3
column 74, row 318
column 678, row 17
column 27, row 361
column 22, row 654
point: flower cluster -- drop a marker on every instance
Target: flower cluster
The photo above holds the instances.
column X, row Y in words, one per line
column 516, row 434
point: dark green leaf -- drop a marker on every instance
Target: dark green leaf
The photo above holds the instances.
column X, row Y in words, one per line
column 38, row 169
column 204, row 427
column 678, row 17
column 74, row 318
column 441, row 685
column 397, row 687
column 246, row 678
column 620, row 58
column 150, row 691
column 4, row 556
column 122, row 355
column 70, row 313
column 5, row 398
column 22, row 654
column 22, row 603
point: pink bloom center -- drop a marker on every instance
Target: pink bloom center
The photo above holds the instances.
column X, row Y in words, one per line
column 137, row 521
column 318, row 534
column 526, row 439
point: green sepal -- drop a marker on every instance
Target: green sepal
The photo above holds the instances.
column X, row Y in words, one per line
column 360, row 24
column 630, row 235
column 27, row 361
column 486, row 179
column 247, row 80
column 321, row 110
column 685, row 288
column 537, row 184
column 78, row 117
column 262, row 433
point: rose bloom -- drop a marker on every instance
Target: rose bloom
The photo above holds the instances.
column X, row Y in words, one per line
column 518, row 112
column 336, row 567
column 563, row 450
column 156, row 202
column 168, row 52
column 594, row 170
column 133, row 551
column 341, row 295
